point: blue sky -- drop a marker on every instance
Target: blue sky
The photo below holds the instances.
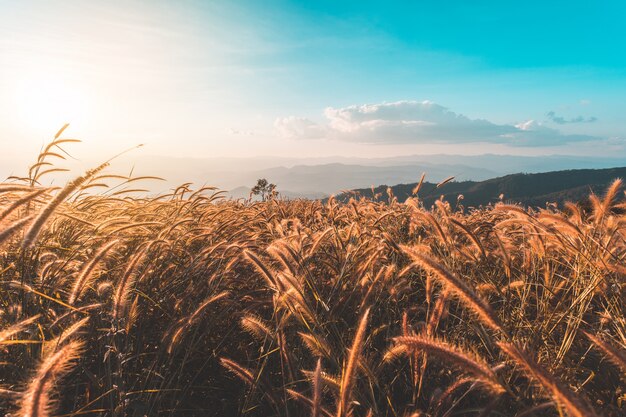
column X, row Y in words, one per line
column 318, row 78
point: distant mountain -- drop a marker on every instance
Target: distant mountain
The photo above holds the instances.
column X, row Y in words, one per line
column 308, row 180
column 528, row 189
column 316, row 177
column 325, row 176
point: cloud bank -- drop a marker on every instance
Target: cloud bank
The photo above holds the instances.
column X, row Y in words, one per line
column 418, row 122
column 562, row 120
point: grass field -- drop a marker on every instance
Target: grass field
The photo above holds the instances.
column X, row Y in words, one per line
column 190, row 305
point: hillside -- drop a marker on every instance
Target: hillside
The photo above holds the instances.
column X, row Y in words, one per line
column 527, row 189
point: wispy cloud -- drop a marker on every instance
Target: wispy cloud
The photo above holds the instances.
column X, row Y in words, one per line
column 563, row 121
column 239, row 132
column 419, row 122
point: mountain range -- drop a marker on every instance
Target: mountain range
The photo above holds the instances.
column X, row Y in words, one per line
column 322, row 177
column 304, row 177
column 535, row 190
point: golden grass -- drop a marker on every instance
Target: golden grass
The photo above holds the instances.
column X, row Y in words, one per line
column 188, row 304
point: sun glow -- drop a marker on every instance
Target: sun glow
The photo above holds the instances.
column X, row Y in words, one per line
column 45, row 102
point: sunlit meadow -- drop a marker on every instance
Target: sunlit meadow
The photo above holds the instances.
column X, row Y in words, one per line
column 120, row 299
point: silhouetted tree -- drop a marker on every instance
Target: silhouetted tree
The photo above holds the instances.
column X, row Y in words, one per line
column 264, row 189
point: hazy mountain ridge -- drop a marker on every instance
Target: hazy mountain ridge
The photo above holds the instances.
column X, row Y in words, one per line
column 314, row 177
column 528, row 189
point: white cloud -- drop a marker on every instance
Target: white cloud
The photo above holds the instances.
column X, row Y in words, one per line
column 299, row 128
column 418, row 122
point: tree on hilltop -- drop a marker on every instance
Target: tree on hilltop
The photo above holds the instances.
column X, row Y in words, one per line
column 264, row 189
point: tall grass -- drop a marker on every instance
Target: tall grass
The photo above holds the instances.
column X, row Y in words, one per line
column 187, row 304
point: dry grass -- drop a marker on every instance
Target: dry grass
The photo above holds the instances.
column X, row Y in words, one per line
column 190, row 305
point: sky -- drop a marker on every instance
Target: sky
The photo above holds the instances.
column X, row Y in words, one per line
column 314, row 78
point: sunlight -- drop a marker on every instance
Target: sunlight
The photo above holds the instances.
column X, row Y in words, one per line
column 45, row 102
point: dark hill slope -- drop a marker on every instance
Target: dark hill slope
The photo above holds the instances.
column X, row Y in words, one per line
column 527, row 189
